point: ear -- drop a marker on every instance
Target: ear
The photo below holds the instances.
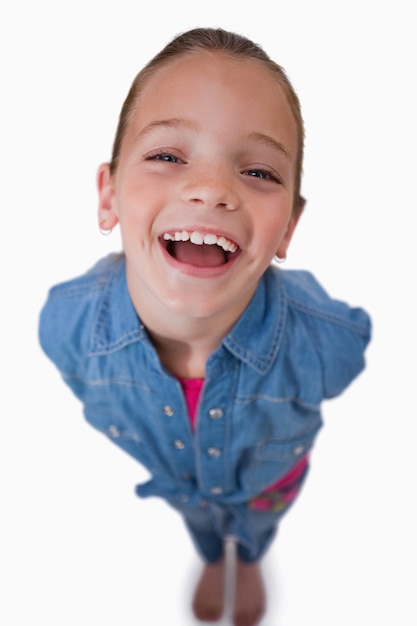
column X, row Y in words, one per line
column 107, row 212
column 296, row 214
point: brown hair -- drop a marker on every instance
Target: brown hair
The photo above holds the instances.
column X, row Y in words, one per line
column 229, row 43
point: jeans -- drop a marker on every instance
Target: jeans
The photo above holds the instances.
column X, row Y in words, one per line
column 211, row 525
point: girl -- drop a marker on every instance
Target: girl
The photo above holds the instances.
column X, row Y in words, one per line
column 189, row 349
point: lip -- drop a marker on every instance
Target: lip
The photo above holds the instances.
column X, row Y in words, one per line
column 194, row 270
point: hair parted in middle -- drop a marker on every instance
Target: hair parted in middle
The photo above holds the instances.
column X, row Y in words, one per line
column 226, row 42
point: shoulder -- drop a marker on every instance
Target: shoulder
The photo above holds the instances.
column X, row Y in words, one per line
column 70, row 311
column 336, row 332
column 310, row 301
column 92, row 281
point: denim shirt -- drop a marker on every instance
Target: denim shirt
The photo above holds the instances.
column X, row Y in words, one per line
column 259, row 410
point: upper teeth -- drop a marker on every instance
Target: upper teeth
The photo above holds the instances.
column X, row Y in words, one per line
column 200, row 238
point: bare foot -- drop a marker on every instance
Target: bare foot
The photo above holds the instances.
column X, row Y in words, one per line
column 209, row 594
column 250, row 597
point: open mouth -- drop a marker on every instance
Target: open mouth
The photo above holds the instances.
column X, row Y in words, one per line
column 199, row 249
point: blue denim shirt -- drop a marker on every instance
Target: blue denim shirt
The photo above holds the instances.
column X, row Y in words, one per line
column 259, row 411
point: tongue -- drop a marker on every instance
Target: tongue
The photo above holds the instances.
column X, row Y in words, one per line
column 202, row 256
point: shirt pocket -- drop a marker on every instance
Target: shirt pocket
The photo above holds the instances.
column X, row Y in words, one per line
column 113, row 427
column 275, row 458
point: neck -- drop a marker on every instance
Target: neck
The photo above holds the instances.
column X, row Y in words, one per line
column 182, row 359
column 183, row 343
column 187, row 332
column 184, row 349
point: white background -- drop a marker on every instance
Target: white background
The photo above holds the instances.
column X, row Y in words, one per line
column 77, row 547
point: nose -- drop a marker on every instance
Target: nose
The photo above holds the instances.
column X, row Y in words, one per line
column 211, row 189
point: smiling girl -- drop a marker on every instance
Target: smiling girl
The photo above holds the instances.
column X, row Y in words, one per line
column 189, row 349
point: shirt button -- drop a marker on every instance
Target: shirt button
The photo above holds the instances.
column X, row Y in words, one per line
column 180, row 445
column 186, row 476
column 215, row 414
column 216, row 490
column 299, row 450
column 168, row 410
column 114, row 432
column 203, row 503
column 214, row 452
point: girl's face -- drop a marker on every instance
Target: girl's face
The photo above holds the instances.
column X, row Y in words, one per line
column 204, row 187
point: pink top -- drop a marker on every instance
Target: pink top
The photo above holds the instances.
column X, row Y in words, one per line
column 192, row 388
column 287, row 486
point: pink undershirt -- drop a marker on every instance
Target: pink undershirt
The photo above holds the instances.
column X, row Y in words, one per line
column 192, row 388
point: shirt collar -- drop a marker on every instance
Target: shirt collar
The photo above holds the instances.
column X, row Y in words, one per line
column 254, row 339
column 257, row 335
column 117, row 324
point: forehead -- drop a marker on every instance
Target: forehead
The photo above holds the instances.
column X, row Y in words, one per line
column 210, row 65
column 209, row 84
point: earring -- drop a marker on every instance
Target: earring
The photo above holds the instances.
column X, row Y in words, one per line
column 105, row 231
column 278, row 259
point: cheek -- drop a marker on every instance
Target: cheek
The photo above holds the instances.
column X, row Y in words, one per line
column 273, row 227
column 146, row 198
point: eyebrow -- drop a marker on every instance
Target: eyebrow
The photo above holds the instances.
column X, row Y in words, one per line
column 173, row 122
column 271, row 143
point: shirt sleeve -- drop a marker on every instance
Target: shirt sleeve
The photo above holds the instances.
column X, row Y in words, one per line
column 337, row 333
column 68, row 316
column 341, row 349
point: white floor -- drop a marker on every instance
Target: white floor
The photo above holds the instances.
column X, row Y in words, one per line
column 77, row 548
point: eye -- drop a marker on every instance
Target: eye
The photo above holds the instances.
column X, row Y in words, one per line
column 164, row 156
column 264, row 174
